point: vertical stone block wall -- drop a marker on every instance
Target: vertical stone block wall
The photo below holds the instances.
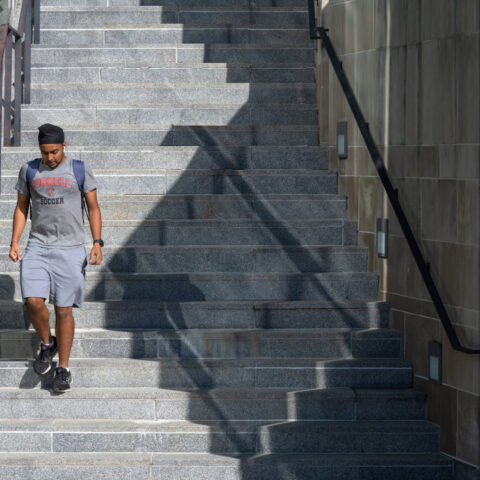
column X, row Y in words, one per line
column 415, row 68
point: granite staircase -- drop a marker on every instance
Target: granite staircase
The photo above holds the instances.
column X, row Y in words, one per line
column 233, row 331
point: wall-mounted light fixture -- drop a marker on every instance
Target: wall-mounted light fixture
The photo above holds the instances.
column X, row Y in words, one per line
column 342, row 140
column 382, row 237
column 435, row 361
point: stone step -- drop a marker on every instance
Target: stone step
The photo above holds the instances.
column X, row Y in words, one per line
column 174, row 72
column 215, row 404
column 174, row 95
column 226, row 258
column 177, row 287
column 158, row 466
column 155, row 56
column 236, row 136
column 159, row 116
column 218, row 437
column 218, row 232
column 222, row 344
column 148, row 15
column 233, row 207
column 181, row 182
column 215, row 373
column 182, row 158
column 349, row 437
column 176, row 33
column 346, row 314
column 172, row 3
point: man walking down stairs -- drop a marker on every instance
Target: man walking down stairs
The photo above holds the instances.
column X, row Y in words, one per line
column 233, row 331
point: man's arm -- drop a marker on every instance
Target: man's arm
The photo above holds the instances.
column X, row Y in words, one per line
column 19, row 221
column 95, row 218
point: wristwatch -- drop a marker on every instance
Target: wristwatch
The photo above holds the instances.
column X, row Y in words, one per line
column 99, row 241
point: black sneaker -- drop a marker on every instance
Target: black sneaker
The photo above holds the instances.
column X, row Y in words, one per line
column 43, row 363
column 62, row 380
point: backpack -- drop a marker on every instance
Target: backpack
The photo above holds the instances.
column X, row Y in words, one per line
column 78, row 171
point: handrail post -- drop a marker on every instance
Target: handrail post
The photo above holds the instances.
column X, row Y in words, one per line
column 17, row 104
column 7, row 104
column 27, row 58
column 36, row 21
column 311, row 20
column 3, row 40
column 15, row 71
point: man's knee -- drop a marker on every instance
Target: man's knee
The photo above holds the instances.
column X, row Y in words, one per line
column 35, row 304
column 63, row 313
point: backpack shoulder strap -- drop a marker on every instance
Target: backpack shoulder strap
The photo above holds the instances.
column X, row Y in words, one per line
column 79, row 172
column 32, row 170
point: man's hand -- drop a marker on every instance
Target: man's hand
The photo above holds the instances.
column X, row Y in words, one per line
column 96, row 255
column 15, row 252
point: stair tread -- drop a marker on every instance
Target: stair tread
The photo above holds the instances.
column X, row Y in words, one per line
column 210, row 426
column 281, row 363
column 211, row 333
column 153, row 106
column 79, row 393
column 184, row 65
column 159, row 249
column 178, row 46
column 200, row 172
column 176, row 26
column 226, row 275
column 179, row 459
column 148, row 8
column 217, row 221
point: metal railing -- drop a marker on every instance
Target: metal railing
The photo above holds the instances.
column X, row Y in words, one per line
column 320, row 33
column 15, row 69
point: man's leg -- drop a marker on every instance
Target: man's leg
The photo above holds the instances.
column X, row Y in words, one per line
column 64, row 331
column 38, row 315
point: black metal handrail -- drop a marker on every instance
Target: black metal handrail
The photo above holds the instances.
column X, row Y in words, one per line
column 15, row 56
column 320, row 33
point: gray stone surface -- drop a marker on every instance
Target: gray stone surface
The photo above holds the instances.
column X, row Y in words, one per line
column 328, row 232
column 64, row 57
column 74, row 472
column 299, row 135
column 191, row 158
column 148, row 94
column 232, row 259
column 112, row 408
column 173, row 72
column 211, row 286
column 175, row 34
column 25, row 441
column 223, row 343
column 209, row 207
column 159, row 14
column 390, row 404
column 151, row 314
column 343, row 437
column 217, row 467
column 211, row 373
column 173, row 3
column 162, row 181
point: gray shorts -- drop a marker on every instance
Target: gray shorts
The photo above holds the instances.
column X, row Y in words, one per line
column 58, row 271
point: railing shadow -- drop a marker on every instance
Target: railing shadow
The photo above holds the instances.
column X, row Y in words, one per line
column 199, row 372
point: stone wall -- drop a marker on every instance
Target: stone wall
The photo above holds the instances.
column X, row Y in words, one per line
column 415, row 68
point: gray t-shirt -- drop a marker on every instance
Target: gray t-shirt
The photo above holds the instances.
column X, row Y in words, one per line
column 57, row 219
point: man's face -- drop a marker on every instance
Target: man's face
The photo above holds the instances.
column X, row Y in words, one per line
column 52, row 154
